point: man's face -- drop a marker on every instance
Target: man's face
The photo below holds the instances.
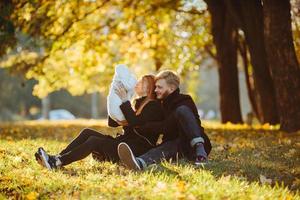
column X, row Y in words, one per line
column 162, row 89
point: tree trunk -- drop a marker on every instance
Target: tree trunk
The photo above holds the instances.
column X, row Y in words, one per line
column 94, row 105
column 46, row 107
column 158, row 64
column 248, row 75
column 225, row 39
column 283, row 62
column 248, row 15
column 7, row 29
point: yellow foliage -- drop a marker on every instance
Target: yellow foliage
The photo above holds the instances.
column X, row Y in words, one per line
column 82, row 35
column 231, row 126
column 32, row 196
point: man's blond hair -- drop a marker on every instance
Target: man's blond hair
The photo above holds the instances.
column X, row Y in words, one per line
column 171, row 77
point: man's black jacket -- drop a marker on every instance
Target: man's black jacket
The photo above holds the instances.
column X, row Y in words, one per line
column 167, row 127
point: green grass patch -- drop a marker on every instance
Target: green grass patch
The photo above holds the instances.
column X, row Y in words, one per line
column 245, row 163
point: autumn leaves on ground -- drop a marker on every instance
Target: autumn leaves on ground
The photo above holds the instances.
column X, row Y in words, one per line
column 246, row 163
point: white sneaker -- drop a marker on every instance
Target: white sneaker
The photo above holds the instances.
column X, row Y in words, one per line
column 44, row 157
column 127, row 157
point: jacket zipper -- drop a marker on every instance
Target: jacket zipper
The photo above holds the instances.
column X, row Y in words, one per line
column 135, row 131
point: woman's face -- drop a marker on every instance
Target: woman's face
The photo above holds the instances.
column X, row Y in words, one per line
column 141, row 88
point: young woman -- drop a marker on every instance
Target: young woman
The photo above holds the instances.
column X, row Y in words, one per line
column 104, row 147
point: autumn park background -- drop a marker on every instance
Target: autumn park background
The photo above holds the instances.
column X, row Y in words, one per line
column 238, row 59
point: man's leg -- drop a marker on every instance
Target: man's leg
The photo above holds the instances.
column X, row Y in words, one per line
column 186, row 118
column 166, row 150
column 192, row 130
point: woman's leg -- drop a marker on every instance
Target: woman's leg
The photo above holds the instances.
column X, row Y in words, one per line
column 81, row 138
column 105, row 146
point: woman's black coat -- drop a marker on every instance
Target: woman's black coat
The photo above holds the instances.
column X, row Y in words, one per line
column 140, row 141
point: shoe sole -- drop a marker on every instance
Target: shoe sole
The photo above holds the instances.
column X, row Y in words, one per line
column 201, row 164
column 42, row 155
column 126, row 156
column 38, row 159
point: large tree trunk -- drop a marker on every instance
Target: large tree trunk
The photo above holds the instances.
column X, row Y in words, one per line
column 248, row 15
column 7, row 29
column 225, row 39
column 283, row 62
column 242, row 46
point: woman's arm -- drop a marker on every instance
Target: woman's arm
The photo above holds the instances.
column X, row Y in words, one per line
column 151, row 112
column 112, row 123
column 130, row 115
column 125, row 107
column 148, row 113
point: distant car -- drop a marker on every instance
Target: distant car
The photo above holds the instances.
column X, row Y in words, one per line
column 58, row 114
column 211, row 114
column 201, row 113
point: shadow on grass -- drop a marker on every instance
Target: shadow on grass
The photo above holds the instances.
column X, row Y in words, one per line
column 274, row 158
column 245, row 165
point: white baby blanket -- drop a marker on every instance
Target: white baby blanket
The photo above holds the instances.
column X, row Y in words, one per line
column 128, row 79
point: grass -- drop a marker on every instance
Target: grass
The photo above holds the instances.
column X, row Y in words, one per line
column 246, row 163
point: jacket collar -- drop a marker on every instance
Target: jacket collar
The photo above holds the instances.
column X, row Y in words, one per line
column 171, row 97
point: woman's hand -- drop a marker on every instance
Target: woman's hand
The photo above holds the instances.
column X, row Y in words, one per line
column 121, row 92
column 122, row 123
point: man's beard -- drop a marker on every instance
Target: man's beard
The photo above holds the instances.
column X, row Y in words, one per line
column 165, row 94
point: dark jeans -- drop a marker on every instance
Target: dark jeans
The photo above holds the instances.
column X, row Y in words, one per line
column 89, row 141
column 167, row 150
column 190, row 134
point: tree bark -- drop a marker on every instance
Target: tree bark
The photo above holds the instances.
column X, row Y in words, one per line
column 242, row 46
column 95, row 105
column 46, row 107
column 225, row 39
column 158, row 64
column 7, row 29
column 283, row 62
column 248, row 15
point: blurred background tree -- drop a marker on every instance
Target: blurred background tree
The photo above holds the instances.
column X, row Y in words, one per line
column 74, row 45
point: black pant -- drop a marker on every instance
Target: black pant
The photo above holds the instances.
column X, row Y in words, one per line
column 89, row 141
column 105, row 147
column 167, row 150
column 190, row 134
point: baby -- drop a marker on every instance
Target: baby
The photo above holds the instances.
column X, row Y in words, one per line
column 122, row 76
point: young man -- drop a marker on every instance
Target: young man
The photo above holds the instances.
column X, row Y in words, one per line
column 183, row 133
